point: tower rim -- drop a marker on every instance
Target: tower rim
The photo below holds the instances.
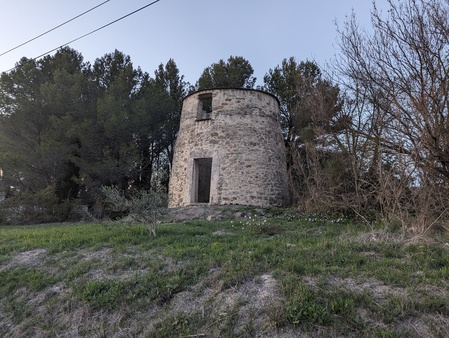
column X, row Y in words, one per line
column 232, row 88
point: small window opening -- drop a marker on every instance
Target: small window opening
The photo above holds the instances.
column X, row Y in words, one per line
column 202, row 170
column 205, row 106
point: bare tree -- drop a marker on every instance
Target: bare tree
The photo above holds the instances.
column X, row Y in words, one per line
column 402, row 68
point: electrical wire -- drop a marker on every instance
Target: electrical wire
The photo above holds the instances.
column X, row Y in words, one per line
column 51, row 30
column 94, row 31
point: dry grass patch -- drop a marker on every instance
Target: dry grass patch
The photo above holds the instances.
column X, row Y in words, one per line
column 30, row 258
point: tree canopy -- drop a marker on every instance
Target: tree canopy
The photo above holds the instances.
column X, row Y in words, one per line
column 306, row 99
column 237, row 72
column 72, row 127
column 311, row 120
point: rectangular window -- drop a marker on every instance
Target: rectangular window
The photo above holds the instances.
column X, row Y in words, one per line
column 205, row 106
column 202, row 170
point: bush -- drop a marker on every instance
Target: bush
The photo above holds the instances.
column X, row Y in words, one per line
column 33, row 208
column 142, row 207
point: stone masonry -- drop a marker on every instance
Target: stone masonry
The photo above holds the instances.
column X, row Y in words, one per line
column 229, row 150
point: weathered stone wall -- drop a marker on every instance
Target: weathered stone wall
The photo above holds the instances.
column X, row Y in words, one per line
column 244, row 140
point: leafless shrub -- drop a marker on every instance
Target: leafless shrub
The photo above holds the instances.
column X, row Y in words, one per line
column 397, row 81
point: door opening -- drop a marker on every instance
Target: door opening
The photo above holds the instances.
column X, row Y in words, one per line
column 202, row 169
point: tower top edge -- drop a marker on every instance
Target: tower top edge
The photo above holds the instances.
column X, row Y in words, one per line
column 209, row 90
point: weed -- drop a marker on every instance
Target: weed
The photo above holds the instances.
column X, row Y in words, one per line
column 303, row 305
column 343, row 307
column 102, row 294
column 17, row 307
column 179, row 325
column 34, row 279
column 262, row 226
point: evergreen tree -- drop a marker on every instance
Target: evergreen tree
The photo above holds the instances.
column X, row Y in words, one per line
column 169, row 79
column 151, row 116
column 237, row 72
column 311, row 120
column 108, row 152
column 36, row 121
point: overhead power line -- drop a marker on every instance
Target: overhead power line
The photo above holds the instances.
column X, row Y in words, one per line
column 95, row 30
column 51, row 30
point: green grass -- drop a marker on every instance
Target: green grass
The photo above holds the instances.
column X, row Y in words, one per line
column 197, row 277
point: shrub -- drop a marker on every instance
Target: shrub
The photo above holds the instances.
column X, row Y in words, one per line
column 33, row 208
column 141, row 207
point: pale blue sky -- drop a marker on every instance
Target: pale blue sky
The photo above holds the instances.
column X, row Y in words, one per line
column 195, row 33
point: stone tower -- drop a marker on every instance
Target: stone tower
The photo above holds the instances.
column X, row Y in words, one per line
column 229, row 150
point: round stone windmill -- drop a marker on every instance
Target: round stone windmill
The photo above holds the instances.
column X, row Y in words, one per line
column 229, row 150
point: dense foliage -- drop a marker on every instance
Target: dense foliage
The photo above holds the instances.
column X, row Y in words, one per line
column 237, row 72
column 375, row 146
column 68, row 128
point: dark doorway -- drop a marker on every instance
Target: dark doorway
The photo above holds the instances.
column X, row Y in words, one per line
column 202, row 175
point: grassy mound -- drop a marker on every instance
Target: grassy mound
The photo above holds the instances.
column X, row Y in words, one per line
column 277, row 276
